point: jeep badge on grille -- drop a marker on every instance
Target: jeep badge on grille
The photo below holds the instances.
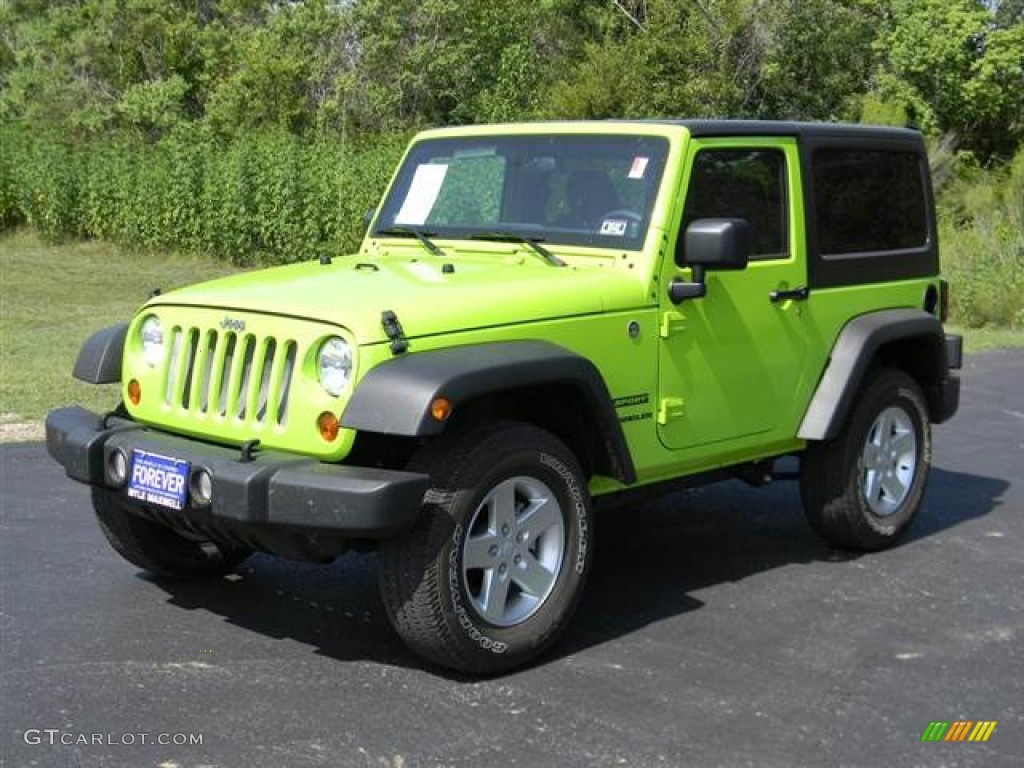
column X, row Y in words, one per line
column 230, row 324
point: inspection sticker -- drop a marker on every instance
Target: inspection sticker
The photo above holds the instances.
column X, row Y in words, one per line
column 616, row 227
column 639, row 167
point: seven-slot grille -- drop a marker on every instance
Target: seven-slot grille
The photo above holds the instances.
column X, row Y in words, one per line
column 229, row 374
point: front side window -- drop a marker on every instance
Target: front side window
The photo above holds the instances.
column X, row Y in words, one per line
column 563, row 189
column 745, row 184
column 869, row 201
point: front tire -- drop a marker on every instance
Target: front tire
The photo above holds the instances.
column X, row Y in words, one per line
column 862, row 490
column 494, row 569
column 158, row 549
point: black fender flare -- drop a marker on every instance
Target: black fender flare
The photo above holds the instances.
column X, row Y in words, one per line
column 855, row 351
column 99, row 359
column 394, row 397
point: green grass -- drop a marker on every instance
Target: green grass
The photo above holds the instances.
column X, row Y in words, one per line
column 980, row 339
column 52, row 297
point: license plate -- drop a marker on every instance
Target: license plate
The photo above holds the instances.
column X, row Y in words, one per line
column 157, row 479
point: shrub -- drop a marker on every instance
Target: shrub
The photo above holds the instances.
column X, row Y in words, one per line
column 981, row 235
column 261, row 198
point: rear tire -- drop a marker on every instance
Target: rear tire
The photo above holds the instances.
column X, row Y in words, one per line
column 491, row 574
column 158, row 549
column 862, row 490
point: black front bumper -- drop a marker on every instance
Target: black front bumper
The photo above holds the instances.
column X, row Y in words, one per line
column 272, row 491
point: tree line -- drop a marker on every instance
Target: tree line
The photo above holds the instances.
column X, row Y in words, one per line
column 94, row 66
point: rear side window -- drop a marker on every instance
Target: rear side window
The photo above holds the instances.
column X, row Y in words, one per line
column 869, row 201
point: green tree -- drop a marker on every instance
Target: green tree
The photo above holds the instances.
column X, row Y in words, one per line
column 288, row 70
column 437, row 61
column 807, row 59
column 1009, row 12
column 674, row 59
column 72, row 64
column 954, row 69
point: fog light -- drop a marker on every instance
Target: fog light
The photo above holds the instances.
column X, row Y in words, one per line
column 117, row 467
column 202, row 486
column 327, row 424
column 134, row 391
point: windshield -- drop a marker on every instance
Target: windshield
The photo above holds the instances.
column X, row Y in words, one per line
column 562, row 189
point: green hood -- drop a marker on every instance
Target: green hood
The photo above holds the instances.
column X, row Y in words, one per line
column 483, row 290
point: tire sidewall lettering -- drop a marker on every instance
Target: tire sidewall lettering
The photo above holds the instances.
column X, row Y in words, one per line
column 578, row 505
column 458, row 606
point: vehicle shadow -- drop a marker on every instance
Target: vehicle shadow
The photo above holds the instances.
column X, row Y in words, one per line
column 649, row 559
column 653, row 557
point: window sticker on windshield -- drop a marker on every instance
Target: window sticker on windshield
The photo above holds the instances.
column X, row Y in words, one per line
column 423, row 192
column 476, row 152
column 614, row 227
column 639, row 167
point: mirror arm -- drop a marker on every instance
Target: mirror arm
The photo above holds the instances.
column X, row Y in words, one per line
column 681, row 290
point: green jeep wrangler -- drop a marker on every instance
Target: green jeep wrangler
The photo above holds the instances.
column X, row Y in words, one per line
column 542, row 317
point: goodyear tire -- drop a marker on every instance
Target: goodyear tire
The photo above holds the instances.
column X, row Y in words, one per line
column 862, row 490
column 158, row 549
column 493, row 571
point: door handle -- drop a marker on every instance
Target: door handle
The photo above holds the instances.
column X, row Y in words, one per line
column 793, row 294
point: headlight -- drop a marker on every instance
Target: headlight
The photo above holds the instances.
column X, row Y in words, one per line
column 334, row 365
column 152, row 341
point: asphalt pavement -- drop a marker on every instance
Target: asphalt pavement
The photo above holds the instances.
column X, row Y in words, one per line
column 716, row 631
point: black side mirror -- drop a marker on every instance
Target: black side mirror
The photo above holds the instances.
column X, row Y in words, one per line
column 718, row 244
column 711, row 244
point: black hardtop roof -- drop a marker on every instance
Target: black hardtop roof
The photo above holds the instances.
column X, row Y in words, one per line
column 709, row 127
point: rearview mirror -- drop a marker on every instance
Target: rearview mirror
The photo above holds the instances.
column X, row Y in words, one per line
column 710, row 244
column 718, row 244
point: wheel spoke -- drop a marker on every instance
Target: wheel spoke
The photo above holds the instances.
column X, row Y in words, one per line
column 540, row 515
column 902, row 443
column 533, row 577
column 503, row 506
column 494, row 596
column 872, row 485
column 872, row 456
column 893, row 487
column 477, row 552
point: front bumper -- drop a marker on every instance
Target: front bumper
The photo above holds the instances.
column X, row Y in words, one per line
column 272, row 491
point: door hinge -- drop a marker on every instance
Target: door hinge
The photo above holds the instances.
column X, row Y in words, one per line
column 671, row 323
column 670, row 409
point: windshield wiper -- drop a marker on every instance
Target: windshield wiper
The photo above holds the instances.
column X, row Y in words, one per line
column 419, row 234
column 533, row 243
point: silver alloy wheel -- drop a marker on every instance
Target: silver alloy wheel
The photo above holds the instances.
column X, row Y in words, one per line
column 889, row 461
column 513, row 551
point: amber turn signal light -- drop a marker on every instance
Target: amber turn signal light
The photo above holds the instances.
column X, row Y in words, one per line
column 441, row 408
column 134, row 392
column 328, row 425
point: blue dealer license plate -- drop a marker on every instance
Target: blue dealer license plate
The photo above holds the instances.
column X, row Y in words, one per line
column 157, row 479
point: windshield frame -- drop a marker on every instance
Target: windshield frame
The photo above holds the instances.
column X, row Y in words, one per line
column 649, row 154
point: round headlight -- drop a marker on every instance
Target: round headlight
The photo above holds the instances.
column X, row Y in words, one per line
column 152, row 341
column 334, row 365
